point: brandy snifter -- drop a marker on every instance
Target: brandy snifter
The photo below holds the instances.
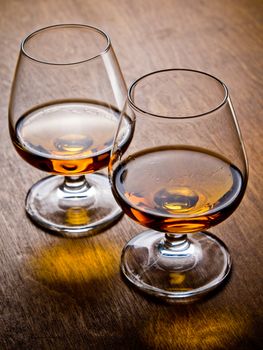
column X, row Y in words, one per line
column 185, row 171
column 67, row 95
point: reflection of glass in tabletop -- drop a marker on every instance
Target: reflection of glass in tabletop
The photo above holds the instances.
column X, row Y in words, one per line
column 64, row 110
column 184, row 171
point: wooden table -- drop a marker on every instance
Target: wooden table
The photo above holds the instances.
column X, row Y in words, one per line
column 63, row 294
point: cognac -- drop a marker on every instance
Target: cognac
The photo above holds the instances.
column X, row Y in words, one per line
column 177, row 189
column 67, row 138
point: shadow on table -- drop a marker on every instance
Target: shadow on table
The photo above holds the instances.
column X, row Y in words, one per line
column 74, row 297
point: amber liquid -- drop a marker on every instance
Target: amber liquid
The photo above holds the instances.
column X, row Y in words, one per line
column 177, row 189
column 72, row 137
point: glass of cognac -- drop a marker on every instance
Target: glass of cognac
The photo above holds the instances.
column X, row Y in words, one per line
column 66, row 98
column 185, row 171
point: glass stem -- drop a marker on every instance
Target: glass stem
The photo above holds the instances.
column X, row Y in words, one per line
column 173, row 244
column 75, row 184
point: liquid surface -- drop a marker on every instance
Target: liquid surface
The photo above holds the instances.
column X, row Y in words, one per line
column 177, row 189
column 70, row 137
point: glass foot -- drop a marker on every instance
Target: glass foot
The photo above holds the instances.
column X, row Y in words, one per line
column 73, row 206
column 192, row 267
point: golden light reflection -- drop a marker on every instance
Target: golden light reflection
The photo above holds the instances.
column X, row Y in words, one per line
column 74, row 166
column 76, row 262
column 77, row 216
column 216, row 332
column 176, row 278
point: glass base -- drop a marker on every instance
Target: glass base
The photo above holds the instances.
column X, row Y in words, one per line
column 72, row 208
column 197, row 265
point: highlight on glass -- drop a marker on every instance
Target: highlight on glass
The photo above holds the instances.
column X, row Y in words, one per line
column 66, row 98
column 184, row 172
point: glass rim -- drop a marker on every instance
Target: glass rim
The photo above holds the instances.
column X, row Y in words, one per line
column 138, row 109
column 65, row 25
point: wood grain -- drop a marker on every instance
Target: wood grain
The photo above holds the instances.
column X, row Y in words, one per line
column 63, row 294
